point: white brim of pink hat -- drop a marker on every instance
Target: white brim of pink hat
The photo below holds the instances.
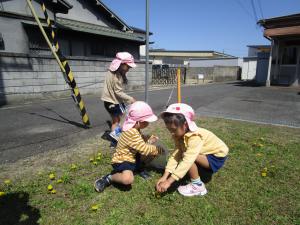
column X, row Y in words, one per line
column 129, row 123
column 186, row 110
column 139, row 111
column 122, row 57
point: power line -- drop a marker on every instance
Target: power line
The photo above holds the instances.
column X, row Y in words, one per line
column 240, row 3
column 260, row 9
column 254, row 10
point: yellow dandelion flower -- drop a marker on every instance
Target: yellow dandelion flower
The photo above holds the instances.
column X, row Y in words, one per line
column 52, row 176
column 7, row 182
column 73, row 167
column 263, row 174
column 50, row 187
column 53, row 191
column 59, row 181
column 95, row 207
column 2, row 193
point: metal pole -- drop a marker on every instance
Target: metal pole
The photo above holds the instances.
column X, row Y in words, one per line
column 147, row 51
column 268, row 82
column 178, row 85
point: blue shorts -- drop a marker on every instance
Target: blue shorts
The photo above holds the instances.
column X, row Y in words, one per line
column 120, row 167
column 215, row 162
column 115, row 109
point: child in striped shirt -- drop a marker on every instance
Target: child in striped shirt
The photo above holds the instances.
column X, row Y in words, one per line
column 131, row 146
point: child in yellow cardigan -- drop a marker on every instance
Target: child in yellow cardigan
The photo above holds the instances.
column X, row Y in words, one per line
column 194, row 147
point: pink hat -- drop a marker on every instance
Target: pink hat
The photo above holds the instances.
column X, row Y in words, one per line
column 122, row 57
column 139, row 111
column 185, row 110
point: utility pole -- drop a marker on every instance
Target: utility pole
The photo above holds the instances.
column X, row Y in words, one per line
column 147, row 51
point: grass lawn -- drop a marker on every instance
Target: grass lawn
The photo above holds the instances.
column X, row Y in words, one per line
column 237, row 194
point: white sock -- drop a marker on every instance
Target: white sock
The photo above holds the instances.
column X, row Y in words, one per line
column 197, row 181
column 108, row 178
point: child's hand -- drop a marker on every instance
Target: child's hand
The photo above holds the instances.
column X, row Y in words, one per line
column 162, row 179
column 133, row 100
column 163, row 186
column 152, row 139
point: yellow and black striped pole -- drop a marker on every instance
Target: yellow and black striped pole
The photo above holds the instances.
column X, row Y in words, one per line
column 63, row 63
column 178, row 85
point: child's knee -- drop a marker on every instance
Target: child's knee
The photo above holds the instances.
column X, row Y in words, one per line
column 128, row 179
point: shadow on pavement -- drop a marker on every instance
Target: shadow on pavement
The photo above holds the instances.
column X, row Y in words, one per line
column 63, row 119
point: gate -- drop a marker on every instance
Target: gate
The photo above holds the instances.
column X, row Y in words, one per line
column 163, row 75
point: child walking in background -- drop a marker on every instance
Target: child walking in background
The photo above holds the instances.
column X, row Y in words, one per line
column 195, row 147
column 131, row 146
column 113, row 94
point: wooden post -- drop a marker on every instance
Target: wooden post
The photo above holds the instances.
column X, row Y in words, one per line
column 178, row 86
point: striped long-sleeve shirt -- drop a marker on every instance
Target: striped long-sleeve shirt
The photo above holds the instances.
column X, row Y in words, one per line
column 130, row 143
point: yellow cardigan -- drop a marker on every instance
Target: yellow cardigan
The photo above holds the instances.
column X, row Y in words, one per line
column 187, row 150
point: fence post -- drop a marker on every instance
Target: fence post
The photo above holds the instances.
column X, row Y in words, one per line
column 178, row 86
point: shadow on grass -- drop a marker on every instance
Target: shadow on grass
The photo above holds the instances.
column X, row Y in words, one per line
column 15, row 210
column 122, row 187
column 205, row 175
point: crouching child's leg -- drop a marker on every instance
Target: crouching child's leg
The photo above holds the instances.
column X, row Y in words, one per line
column 122, row 174
column 196, row 186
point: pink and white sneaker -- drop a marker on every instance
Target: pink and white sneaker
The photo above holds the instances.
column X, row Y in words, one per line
column 192, row 189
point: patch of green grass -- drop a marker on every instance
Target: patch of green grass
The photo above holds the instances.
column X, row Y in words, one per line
column 238, row 193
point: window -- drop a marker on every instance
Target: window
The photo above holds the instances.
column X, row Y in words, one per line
column 77, row 48
column 97, row 49
column 37, row 43
column 2, row 46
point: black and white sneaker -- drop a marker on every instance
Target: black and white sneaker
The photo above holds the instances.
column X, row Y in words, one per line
column 145, row 174
column 102, row 183
column 113, row 144
column 106, row 136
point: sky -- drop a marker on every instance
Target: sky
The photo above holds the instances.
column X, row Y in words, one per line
column 220, row 25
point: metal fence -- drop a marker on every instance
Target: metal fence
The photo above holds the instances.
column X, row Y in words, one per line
column 167, row 75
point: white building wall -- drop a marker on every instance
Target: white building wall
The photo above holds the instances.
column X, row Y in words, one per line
column 213, row 62
column 143, row 50
column 157, row 62
column 249, row 69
